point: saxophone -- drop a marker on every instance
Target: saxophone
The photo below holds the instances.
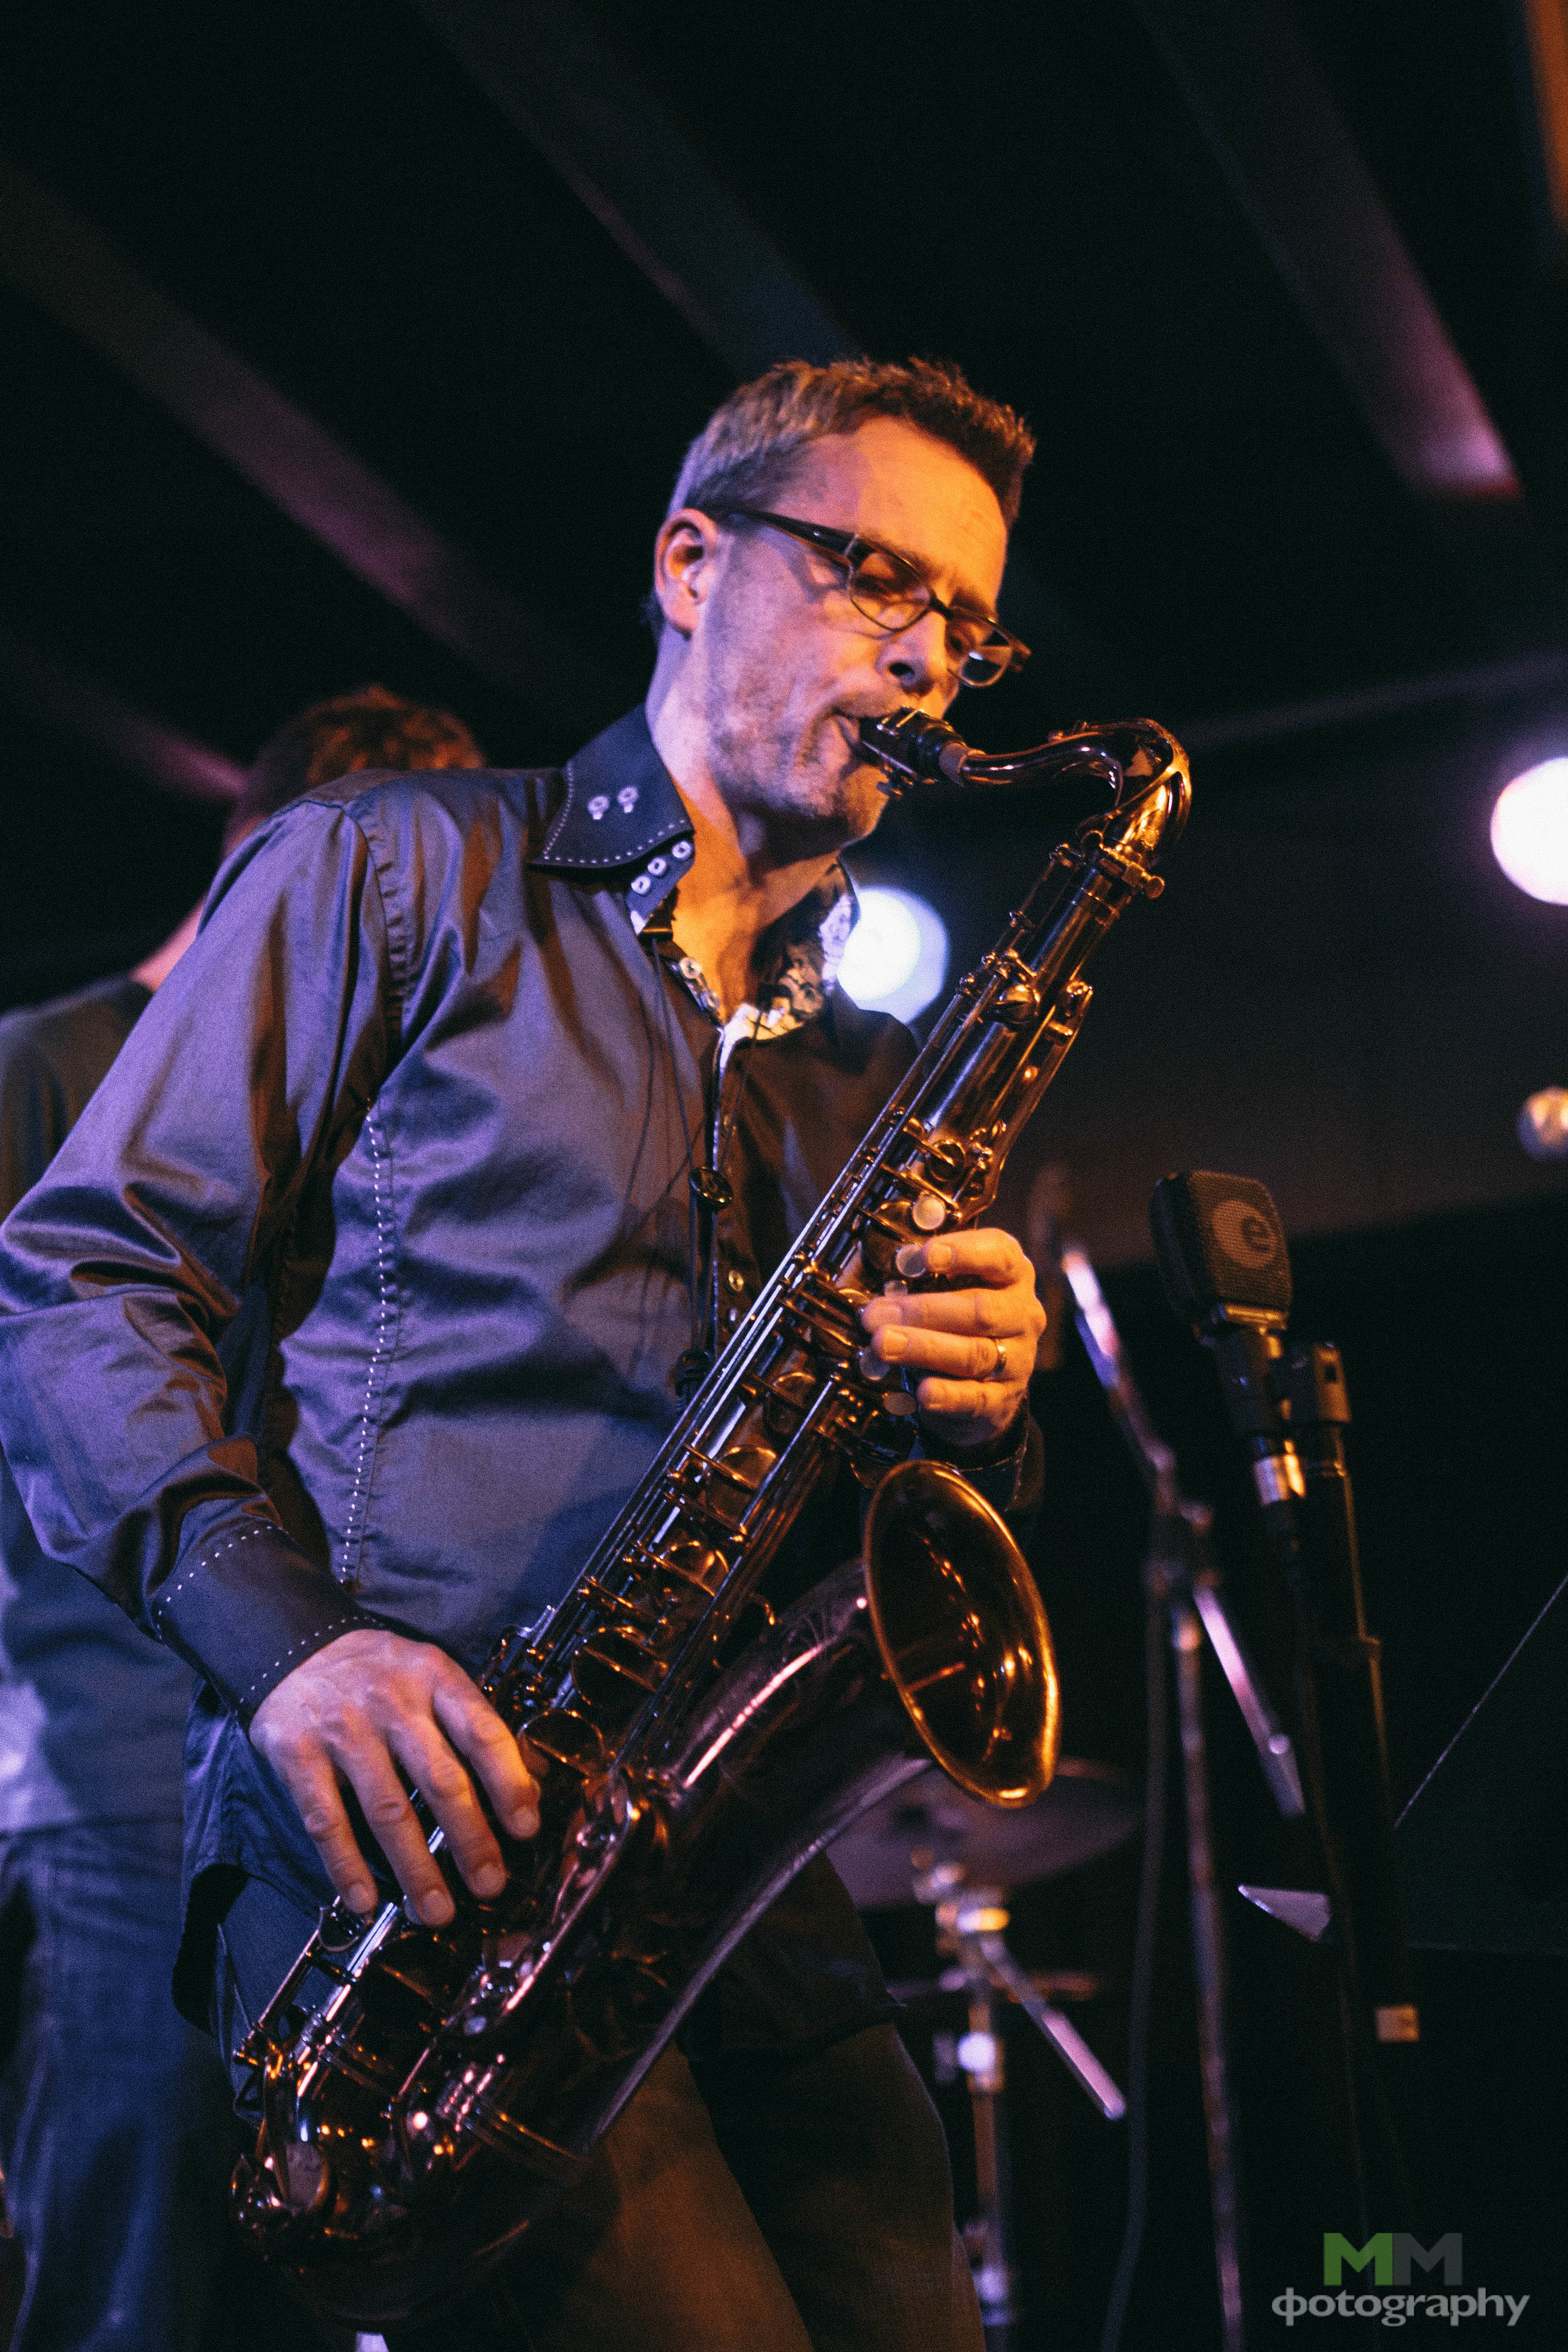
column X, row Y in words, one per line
column 424, row 2093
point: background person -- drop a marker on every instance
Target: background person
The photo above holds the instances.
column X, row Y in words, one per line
column 115, row 2134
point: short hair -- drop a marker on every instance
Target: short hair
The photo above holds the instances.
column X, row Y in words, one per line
column 370, row 727
column 748, row 445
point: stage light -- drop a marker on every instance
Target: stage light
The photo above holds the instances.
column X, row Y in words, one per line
column 1530, row 831
column 1543, row 1124
column 895, row 961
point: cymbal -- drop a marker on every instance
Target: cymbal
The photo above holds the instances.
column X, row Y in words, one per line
column 1087, row 1809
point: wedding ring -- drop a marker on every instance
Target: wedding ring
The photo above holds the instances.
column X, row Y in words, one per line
column 1000, row 1366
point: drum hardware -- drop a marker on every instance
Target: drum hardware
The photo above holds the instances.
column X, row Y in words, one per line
column 1089, row 1809
column 931, row 1843
column 972, row 1928
column 971, row 1924
column 1053, row 1984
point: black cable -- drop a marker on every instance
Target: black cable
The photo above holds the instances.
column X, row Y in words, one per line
column 704, row 1324
column 1137, row 2022
column 691, row 1210
column 723, row 1136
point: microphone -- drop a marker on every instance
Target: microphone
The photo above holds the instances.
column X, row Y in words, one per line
column 1221, row 1252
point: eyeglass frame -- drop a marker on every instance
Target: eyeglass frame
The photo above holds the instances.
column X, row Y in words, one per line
column 849, row 548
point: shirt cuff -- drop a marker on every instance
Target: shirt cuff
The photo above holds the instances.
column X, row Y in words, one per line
column 248, row 1608
column 1008, row 1473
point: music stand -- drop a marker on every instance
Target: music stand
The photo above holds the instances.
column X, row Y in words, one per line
column 1482, row 1843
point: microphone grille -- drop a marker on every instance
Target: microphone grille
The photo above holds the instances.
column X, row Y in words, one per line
column 1219, row 1245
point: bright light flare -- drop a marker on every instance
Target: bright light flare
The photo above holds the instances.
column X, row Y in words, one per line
column 1543, row 1124
column 895, row 961
column 1529, row 832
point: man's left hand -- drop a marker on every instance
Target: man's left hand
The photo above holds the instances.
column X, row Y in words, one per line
column 973, row 1341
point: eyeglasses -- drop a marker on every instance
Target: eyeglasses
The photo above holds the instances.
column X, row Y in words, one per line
column 892, row 595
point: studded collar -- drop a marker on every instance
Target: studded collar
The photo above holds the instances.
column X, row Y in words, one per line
column 623, row 817
column 620, row 803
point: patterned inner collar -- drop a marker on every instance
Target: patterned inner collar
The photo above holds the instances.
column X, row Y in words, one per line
column 797, row 962
column 623, row 817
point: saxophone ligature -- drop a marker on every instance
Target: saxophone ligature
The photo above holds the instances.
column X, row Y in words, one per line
column 424, row 2093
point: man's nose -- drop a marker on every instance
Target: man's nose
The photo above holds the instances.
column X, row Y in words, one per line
column 918, row 656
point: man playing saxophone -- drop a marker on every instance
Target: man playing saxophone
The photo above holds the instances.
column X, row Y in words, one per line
column 331, row 1345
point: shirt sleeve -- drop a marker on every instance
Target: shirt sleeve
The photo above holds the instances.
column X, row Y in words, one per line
column 1008, row 1472
column 123, row 1269
column 33, row 1118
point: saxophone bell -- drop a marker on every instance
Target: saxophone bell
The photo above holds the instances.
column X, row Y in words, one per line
column 962, row 1633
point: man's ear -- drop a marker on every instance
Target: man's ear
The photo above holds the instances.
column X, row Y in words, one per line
column 684, row 555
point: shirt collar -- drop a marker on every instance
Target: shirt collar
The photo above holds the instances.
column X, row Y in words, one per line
column 624, row 816
column 622, row 813
column 620, row 803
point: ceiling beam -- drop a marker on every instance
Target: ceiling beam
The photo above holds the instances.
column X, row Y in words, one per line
column 1292, row 166
column 1520, row 679
column 545, row 67
column 61, row 263
column 92, row 714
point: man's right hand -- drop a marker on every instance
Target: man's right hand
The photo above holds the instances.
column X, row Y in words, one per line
column 362, row 1708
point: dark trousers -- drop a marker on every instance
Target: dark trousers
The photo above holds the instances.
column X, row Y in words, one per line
column 115, row 2133
column 777, row 2205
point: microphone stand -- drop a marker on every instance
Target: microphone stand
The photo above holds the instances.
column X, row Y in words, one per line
column 1222, row 1260
column 1310, row 1527
column 1182, row 1583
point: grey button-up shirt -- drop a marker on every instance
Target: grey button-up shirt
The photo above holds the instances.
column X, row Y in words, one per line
column 354, row 1296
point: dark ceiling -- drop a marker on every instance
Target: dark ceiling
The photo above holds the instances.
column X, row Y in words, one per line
column 364, row 342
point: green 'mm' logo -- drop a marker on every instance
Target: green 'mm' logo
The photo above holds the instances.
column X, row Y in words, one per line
column 1390, row 2254
column 1378, row 2252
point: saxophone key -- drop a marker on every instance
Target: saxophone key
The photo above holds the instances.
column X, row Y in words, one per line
column 786, row 1401
column 1019, row 1006
column 735, row 1479
column 881, row 1235
column 946, row 1164
column 882, row 1448
column 690, row 1567
column 614, row 1671
column 568, row 1739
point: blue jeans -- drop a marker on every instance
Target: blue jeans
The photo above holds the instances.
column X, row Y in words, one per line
column 116, row 2133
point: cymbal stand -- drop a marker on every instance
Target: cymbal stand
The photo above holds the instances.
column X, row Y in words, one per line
column 972, row 1922
column 1181, row 1582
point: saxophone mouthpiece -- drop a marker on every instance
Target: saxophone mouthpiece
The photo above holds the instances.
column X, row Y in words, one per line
column 911, row 748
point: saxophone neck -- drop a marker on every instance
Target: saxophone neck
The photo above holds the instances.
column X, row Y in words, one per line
column 1153, row 793
column 1140, row 761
